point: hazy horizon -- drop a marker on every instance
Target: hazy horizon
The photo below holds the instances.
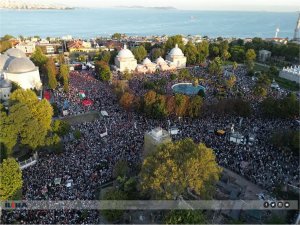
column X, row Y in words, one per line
column 216, row 5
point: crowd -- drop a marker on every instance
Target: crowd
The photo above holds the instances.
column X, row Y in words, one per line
column 88, row 162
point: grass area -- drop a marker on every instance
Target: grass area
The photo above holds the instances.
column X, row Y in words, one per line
column 287, row 84
column 227, row 63
column 258, row 67
column 87, row 117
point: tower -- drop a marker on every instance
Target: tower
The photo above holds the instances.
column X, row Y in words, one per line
column 297, row 29
column 276, row 33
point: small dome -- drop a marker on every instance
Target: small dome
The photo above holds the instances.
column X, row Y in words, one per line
column 147, row 61
column 4, row 60
column 5, row 84
column 14, row 52
column 125, row 53
column 20, row 65
column 176, row 51
column 160, row 60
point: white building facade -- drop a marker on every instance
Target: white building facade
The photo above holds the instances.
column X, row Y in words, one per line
column 177, row 58
column 16, row 67
column 291, row 73
column 125, row 60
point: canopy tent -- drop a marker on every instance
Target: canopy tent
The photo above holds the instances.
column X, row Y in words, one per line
column 87, row 102
column 104, row 113
column 220, row 132
column 47, row 95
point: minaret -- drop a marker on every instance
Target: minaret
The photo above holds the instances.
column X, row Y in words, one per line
column 297, row 29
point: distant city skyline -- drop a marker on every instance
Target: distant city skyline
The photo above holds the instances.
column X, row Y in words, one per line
column 241, row 5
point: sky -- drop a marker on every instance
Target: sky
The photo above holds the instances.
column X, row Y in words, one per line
column 245, row 5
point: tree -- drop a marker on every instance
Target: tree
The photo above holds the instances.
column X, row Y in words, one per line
column 156, row 53
column 185, row 217
column 126, row 100
column 237, row 53
column 38, row 58
column 195, row 106
column 139, row 53
column 230, row 81
column 28, row 121
column 185, row 165
column 51, row 73
column 64, row 74
column 121, row 169
column 224, row 50
column 190, row 51
column 250, row 58
column 4, row 45
column 203, row 51
column 105, row 56
column 61, row 127
column 262, row 85
column 116, row 36
column 234, row 66
column 181, row 104
column 61, row 59
column 184, row 74
column 126, row 75
column 103, row 71
column 215, row 67
column 10, row 178
column 114, row 215
column 172, row 41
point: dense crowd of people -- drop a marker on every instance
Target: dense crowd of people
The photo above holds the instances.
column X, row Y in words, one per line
column 88, row 162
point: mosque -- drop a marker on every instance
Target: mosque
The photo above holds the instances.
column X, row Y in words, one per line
column 125, row 61
column 16, row 67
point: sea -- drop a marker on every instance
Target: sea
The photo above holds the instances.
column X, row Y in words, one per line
column 90, row 23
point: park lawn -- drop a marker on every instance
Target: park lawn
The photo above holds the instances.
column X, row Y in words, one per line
column 287, row 84
column 77, row 119
column 261, row 68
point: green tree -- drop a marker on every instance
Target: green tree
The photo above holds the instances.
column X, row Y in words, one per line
column 185, row 217
column 185, row 164
column 190, row 51
column 105, row 56
column 121, row 169
column 114, row 215
column 215, row 67
column 38, row 58
column 61, row 127
column 156, row 52
column 10, row 178
column 103, row 71
column 230, row 81
column 224, row 47
column 4, row 45
column 126, row 75
column 250, row 58
column 262, row 85
column 234, row 66
column 195, row 105
column 203, row 51
column 51, row 73
column 139, row 53
column 181, row 104
column 237, row 53
column 61, row 59
column 64, row 74
column 172, row 41
column 116, row 36
column 184, row 74
column 28, row 121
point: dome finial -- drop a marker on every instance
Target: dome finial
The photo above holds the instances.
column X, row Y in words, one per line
column 176, row 46
column 125, row 46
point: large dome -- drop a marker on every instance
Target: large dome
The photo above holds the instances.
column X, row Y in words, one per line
column 125, row 53
column 176, row 51
column 4, row 59
column 20, row 65
column 14, row 52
